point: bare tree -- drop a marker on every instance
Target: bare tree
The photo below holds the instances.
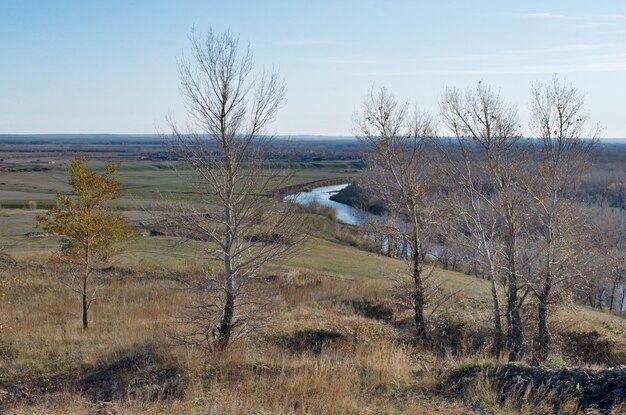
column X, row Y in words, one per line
column 558, row 121
column 225, row 142
column 405, row 180
column 608, row 230
column 615, row 254
column 474, row 222
column 487, row 131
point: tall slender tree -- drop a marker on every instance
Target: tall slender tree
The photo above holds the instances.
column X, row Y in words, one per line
column 230, row 108
column 403, row 177
column 475, row 209
column 483, row 124
column 565, row 152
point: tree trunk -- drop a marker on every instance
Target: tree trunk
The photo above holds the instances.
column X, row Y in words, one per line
column 542, row 342
column 418, row 297
column 514, row 332
column 455, row 264
column 226, row 324
column 612, row 298
column 475, row 266
column 85, row 322
column 600, row 302
column 85, row 305
column 84, row 290
column 498, row 337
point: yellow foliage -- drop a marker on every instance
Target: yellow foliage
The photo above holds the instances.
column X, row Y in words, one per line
column 88, row 227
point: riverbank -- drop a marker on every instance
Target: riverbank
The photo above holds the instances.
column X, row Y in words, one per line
column 307, row 187
column 322, row 196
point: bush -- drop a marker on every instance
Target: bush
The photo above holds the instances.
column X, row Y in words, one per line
column 322, row 210
column 591, row 348
column 310, row 340
column 142, row 372
column 450, row 333
column 540, row 389
column 370, row 309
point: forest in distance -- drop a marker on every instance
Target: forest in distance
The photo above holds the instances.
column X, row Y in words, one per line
column 181, row 273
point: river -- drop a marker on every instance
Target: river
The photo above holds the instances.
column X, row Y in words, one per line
column 346, row 214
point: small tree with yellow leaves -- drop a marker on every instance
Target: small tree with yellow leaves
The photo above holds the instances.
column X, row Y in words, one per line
column 89, row 230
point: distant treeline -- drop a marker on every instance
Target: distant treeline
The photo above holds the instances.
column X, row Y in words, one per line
column 604, row 185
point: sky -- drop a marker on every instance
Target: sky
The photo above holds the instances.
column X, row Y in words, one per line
column 111, row 66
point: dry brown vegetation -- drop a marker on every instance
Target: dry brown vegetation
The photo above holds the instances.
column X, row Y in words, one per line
column 340, row 346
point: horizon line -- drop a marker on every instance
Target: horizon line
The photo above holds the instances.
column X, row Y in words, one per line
column 158, row 135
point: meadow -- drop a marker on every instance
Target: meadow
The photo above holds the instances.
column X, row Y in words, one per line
column 335, row 339
column 141, row 182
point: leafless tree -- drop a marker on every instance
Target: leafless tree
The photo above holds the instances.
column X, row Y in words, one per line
column 609, row 234
column 488, row 166
column 475, row 216
column 558, row 121
column 405, row 180
column 225, row 141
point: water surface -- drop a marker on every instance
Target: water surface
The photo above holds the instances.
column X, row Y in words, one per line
column 346, row 214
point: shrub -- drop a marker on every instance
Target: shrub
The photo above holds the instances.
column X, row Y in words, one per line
column 310, row 340
column 591, row 348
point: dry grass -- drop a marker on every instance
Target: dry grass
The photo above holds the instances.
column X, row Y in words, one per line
column 124, row 363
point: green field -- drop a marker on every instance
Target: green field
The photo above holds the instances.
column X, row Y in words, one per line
column 141, row 182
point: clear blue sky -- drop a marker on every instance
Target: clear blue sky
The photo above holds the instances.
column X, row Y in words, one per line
column 110, row 66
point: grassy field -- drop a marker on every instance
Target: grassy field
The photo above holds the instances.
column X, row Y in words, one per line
column 141, row 182
column 336, row 339
column 126, row 362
